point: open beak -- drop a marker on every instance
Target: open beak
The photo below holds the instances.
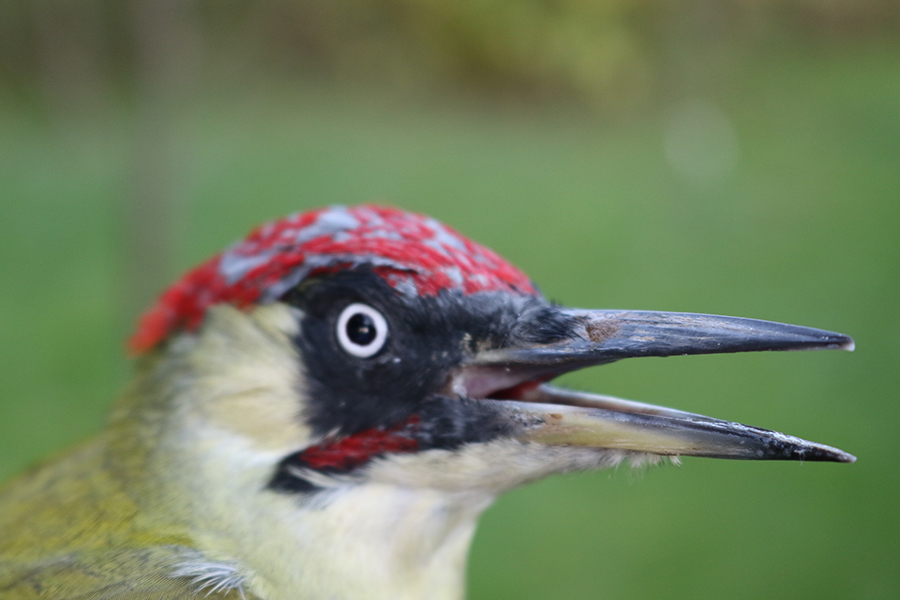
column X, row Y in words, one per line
column 514, row 378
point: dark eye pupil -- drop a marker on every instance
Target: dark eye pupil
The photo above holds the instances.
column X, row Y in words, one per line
column 361, row 329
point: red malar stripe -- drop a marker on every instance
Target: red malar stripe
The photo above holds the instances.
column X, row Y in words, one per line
column 352, row 451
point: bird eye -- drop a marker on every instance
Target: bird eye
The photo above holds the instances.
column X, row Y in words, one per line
column 361, row 330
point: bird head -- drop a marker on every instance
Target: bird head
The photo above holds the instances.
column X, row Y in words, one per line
column 368, row 348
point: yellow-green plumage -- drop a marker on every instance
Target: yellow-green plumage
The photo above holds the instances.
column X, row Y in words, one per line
column 73, row 529
column 136, row 513
column 90, row 523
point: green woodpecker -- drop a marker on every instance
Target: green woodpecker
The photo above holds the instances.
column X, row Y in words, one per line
column 323, row 411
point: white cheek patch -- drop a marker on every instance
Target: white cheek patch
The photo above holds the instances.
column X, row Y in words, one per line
column 247, row 376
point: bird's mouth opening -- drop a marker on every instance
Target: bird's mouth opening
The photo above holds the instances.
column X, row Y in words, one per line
column 515, row 380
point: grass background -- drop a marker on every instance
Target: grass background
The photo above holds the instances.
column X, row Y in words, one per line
column 804, row 230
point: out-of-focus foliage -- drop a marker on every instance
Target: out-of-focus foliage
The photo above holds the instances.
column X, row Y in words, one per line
column 757, row 175
column 609, row 54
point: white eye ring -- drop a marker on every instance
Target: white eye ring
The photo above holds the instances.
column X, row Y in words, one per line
column 368, row 347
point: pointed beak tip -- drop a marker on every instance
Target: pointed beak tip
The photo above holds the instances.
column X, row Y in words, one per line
column 830, row 454
column 848, row 344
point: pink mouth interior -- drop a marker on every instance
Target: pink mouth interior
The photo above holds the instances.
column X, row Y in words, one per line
column 521, row 392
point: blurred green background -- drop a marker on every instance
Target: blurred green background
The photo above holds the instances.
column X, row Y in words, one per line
column 732, row 157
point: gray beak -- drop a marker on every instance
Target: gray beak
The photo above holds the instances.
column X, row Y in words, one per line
column 513, row 378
